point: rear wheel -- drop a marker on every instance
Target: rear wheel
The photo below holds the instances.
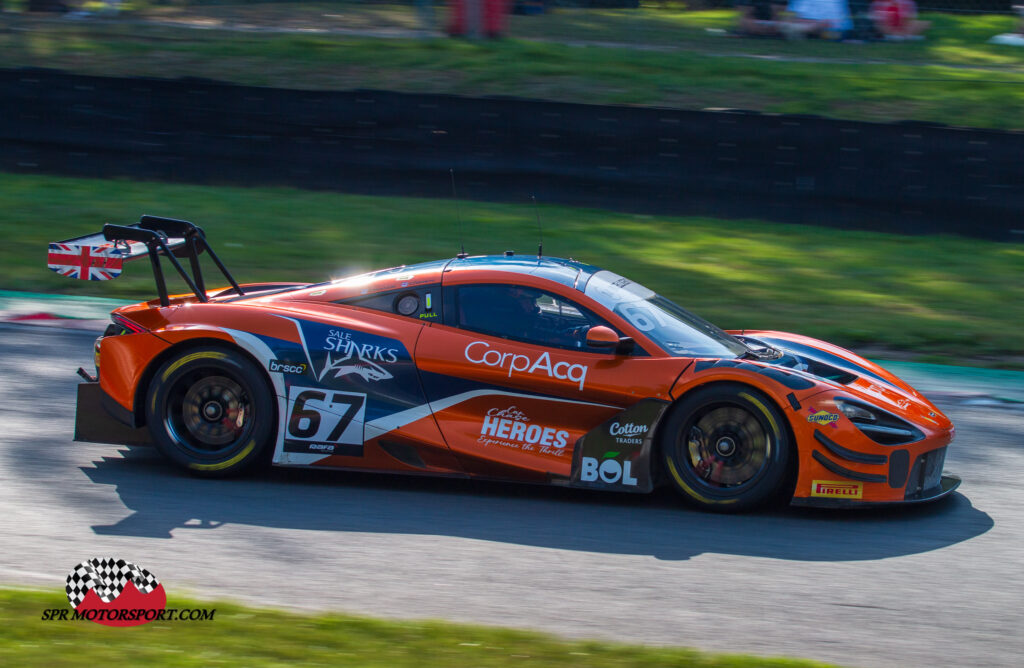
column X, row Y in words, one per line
column 210, row 411
column 726, row 447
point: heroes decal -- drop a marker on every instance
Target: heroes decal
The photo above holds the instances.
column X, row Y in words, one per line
column 511, row 428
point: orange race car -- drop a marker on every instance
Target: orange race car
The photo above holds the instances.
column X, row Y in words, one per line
column 531, row 369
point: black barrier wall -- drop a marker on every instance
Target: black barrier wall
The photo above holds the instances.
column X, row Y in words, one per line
column 901, row 177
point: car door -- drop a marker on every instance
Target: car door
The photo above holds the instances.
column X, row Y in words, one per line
column 513, row 385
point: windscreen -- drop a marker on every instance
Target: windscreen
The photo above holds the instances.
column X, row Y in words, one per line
column 678, row 332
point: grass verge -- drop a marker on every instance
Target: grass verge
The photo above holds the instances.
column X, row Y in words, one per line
column 241, row 636
column 947, row 299
column 937, row 81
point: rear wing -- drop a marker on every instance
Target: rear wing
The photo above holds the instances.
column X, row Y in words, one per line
column 100, row 256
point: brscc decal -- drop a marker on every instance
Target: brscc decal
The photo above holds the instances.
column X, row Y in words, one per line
column 835, row 489
column 480, row 352
column 278, row 366
column 510, row 428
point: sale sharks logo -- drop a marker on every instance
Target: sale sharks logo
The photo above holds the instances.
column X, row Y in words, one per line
column 338, row 354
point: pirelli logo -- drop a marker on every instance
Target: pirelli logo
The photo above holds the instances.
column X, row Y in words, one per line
column 833, row 489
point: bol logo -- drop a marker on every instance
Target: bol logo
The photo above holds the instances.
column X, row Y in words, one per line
column 609, row 471
column 114, row 592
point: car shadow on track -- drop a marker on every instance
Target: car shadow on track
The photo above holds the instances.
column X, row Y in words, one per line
column 164, row 501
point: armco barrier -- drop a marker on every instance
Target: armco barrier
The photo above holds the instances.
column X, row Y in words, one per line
column 908, row 177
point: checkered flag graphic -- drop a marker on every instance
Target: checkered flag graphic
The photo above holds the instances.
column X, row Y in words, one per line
column 107, row 577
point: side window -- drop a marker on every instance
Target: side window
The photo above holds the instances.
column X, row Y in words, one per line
column 422, row 304
column 526, row 314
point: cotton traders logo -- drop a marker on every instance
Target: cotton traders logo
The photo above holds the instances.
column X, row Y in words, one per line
column 508, row 427
column 628, row 433
column 480, row 352
column 115, row 592
column 355, row 357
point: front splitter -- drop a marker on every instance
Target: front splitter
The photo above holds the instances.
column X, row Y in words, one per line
column 947, row 485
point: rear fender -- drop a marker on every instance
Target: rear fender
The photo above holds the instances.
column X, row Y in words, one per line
column 179, row 341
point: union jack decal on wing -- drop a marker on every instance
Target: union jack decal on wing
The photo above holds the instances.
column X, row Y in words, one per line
column 88, row 263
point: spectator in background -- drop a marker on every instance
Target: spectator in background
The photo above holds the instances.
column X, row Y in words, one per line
column 760, row 18
column 826, row 18
column 1012, row 38
column 897, row 19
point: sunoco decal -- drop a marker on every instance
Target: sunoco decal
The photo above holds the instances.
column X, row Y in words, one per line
column 822, row 417
column 834, row 489
column 481, row 352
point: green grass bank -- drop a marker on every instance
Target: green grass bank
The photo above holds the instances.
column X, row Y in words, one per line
column 249, row 637
column 941, row 298
column 650, row 56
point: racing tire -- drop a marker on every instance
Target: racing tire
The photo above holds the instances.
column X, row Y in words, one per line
column 726, row 448
column 211, row 412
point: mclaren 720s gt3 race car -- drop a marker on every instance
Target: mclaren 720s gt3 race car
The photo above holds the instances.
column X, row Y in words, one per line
column 530, row 369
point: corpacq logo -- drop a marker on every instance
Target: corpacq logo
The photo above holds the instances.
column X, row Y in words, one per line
column 115, row 592
column 286, row 367
column 518, row 363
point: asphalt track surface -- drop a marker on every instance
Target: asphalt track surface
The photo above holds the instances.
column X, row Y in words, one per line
column 932, row 585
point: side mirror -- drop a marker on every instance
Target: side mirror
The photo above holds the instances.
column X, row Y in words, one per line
column 600, row 336
column 605, row 337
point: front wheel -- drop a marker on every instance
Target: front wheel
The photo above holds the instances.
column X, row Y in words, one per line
column 726, row 447
column 210, row 411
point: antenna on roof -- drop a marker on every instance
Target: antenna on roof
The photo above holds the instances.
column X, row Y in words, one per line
column 540, row 230
column 458, row 216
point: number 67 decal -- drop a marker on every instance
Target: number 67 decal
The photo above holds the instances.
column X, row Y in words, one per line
column 325, row 422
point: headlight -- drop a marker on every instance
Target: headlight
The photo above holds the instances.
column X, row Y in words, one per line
column 855, row 412
column 880, row 426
